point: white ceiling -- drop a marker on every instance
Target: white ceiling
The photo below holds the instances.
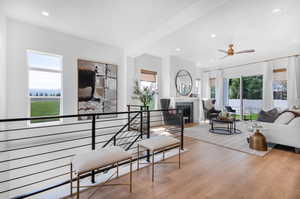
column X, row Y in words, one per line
column 246, row 23
column 117, row 22
column 160, row 26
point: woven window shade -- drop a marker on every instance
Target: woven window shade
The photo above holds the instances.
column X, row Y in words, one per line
column 280, row 74
column 148, row 76
column 212, row 82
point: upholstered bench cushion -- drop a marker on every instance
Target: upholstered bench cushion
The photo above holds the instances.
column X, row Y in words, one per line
column 158, row 142
column 98, row 158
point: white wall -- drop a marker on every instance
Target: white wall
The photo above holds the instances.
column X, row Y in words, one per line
column 166, row 68
column 23, row 36
column 3, row 136
column 147, row 62
column 2, row 64
column 166, row 71
column 247, row 70
column 131, row 77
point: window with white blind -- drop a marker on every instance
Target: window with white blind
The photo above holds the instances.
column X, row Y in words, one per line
column 198, row 87
column 280, row 88
column 45, row 85
column 149, row 79
column 212, row 86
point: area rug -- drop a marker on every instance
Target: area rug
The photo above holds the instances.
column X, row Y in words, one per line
column 236, row 142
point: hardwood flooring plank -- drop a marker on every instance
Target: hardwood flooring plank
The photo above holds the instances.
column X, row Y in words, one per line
column 212, row 172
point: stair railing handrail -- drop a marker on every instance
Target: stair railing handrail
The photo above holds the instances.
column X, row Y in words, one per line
column 92, row 120
column 121, row 130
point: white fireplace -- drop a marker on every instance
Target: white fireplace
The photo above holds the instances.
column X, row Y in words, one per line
column 196, row 105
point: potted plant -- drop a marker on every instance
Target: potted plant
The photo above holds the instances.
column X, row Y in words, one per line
column 144, row 95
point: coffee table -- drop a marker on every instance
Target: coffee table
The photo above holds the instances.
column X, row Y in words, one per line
column 229, row 130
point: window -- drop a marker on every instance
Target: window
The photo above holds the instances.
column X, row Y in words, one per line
column 148, row 79
column 252, row 87
column 198, row 87
column 234, row 88
column 280, row 88
column 45, row 85
column 244, row 94
column 212, row 85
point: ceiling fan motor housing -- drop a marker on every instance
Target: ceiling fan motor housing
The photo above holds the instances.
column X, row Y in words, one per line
column 230, row 51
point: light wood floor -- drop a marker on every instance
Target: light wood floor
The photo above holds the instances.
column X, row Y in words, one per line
column 213, row 172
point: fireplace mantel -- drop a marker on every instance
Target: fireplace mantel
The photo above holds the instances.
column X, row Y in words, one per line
column 196, row 105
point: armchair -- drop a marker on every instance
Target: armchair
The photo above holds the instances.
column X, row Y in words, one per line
column 209, row 109
column 170, row 118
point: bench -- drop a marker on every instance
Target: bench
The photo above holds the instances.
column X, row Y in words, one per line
column 158, row 144
column 94, row 160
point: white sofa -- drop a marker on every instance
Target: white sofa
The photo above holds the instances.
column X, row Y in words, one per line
column 282, row 134
column 284, row 130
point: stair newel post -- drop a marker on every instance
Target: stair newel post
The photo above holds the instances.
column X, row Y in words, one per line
column 181, row 129
column 93, row 141
column 148, row 131
column 128, row 115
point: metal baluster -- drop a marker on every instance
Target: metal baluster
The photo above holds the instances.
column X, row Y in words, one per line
column 93, row 141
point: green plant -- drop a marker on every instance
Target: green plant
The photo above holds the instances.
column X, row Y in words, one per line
column 144, row 95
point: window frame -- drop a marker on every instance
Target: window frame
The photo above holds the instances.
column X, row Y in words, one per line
column 212, row 79
column 60, row 71
column 198, row 89
column 282, row 104
column 279, row 71
column 155, row 74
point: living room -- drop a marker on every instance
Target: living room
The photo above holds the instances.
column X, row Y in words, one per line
column 221, row 77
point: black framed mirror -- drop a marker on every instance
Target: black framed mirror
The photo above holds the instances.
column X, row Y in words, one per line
column 183, row 82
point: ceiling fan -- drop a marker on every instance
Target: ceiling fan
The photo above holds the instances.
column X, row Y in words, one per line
column 231, row 51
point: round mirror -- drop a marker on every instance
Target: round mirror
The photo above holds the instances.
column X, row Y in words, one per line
column 183, row 82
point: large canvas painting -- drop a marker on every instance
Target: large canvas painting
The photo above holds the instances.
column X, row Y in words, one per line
column 97, row 88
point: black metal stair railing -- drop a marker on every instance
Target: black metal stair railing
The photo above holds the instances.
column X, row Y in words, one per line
column 36, row 159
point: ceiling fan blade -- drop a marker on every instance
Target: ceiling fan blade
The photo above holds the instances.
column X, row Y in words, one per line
column 224, row 57
column 223, row 51
column 245, row 51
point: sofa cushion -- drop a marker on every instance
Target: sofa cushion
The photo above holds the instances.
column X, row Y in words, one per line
column 268, row 116
column 295, row 123
column 285, row 118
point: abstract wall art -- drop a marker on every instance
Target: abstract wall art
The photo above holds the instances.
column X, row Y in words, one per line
column 97, row 88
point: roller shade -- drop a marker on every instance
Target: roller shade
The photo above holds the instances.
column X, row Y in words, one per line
column 280, row 74
column 149, row 76
column 212, row 82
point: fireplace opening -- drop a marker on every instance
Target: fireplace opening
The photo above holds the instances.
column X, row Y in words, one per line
column 187, row 110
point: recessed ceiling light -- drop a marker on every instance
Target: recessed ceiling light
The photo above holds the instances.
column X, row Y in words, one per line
column 213, row 35
column 46, row 14
column 276, row 10
column 178, row 49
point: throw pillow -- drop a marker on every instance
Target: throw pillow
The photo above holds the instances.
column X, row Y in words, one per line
column 209, row 104
column 285, row 118
column 268, row 116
